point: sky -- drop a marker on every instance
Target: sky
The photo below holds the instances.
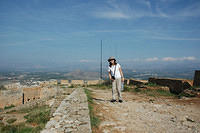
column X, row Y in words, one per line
column 51, row 34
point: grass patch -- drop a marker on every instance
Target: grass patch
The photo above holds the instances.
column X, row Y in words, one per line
column 21, row 128
column 127, row 88
column 12, row 111
column 93, row 118
column 152, row 84
column 11, row 120
column 137, row 89
column 36, row 115
column 72, row 86
column 2, row 87
column 39, row 115
column 159, row 92
column 8, row 107
column 26, row 109
column 63, row 86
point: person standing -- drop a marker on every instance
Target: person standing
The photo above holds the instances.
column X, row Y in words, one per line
column 116, row 76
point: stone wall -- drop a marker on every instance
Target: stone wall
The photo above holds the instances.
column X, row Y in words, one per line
column 47, row 92
column 64, row 82
column 176, row 86
column 136, row 82
column 93, row 82
column 31, row 93
column 47, row 83
column 77, row 82
column 10, row 97
column 71, row 116
column 25, row 95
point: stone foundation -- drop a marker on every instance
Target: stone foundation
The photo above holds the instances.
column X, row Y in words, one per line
column 176, row 86
column 72, row 116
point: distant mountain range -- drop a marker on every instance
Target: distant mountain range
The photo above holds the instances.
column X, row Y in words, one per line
column 87, row 71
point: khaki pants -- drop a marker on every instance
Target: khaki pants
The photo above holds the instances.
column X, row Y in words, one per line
column 116, row 85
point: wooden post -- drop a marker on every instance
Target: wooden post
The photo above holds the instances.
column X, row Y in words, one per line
column 23, row 98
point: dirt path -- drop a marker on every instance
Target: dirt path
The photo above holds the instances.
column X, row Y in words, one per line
column 144, row 114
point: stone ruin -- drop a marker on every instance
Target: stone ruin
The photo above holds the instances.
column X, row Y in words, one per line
column 175, row 85
column 25, row 95
column 17, row 94
column 197, row 78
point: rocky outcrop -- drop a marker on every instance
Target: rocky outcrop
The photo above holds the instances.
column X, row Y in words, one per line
column 136, row 82
column 71, row 116
column 175, row 85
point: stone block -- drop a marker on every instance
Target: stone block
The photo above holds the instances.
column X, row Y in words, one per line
column 77, row 82
column 175, row 85
column 64, row 82
column 93, row 82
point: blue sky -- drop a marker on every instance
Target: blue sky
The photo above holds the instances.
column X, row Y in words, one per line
column 51, row 33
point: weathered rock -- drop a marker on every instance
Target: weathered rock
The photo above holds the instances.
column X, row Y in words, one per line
column 196, row 78
column 72, row 115
column 197, row 89
column 190, row 93
column 198, row 94
column 137, row 82
column 175, row 85
column 190, row 120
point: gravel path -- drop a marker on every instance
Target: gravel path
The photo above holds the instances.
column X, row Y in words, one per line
column 144, row 114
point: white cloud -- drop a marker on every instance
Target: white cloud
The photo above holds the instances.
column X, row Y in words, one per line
column 164, row 59
column 190, row 58
column 135, row 9
column 169, row 59
column 112, row 15
column 152, row 59
column 191, row 10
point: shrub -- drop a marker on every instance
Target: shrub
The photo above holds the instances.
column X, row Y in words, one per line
column 8, row 107
column 21, row 128
column 2, row 87
column 11, row 120
column 71, row 86
column 39, row 115
column 127, row 88
column 152, row 84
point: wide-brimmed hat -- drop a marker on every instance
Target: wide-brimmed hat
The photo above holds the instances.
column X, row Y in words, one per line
column 111, row 58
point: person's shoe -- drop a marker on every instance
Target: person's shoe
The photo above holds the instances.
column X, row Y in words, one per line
column 120, row 101
column 113, row 100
